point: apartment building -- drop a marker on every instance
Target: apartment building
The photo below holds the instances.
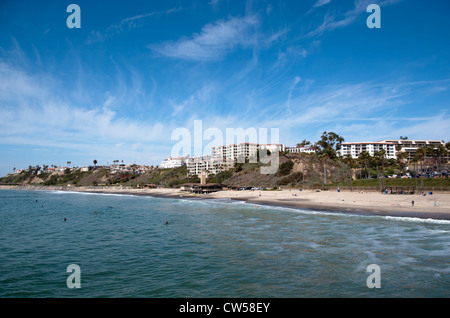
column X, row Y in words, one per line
column 224, row 157
column 174, row 162
column 355, row 148
column 411, row 146
column 243, row 150
column 300, row 150
column 210, row 164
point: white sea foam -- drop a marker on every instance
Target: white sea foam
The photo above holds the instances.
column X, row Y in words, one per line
column 90, row 193
column 418, row 220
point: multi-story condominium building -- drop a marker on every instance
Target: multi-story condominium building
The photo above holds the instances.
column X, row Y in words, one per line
column 224, row 157
column 355, row 148
column 411, row 146
column 209, row 164
column 300, row 150
column 174, row 162
column 243, row 151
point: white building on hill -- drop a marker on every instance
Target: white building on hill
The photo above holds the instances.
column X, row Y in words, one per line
column 355, row 148
column 244, row 150
column 300, row 150
column 411, row 146
column 174, row 162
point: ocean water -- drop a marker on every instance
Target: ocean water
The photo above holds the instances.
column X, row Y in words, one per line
column 211, row 248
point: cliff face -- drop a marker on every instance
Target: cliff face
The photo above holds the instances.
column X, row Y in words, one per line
column 293, row 170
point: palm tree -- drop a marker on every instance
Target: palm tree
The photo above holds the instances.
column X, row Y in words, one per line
column 444, row 152
column 95, row 163
column 378, row 155
column 350, row 161
column 420, row 155
column 364, row 157
column 401, row 157
column 379, row 158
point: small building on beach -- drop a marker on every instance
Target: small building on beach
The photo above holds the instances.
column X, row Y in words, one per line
column 202, row 188
column 400, row 190
column 149, row 186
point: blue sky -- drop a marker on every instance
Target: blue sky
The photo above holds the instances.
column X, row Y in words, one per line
column 136, row 70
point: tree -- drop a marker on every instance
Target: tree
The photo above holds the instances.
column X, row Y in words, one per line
column 420, row 155
column 403, row 138
column 329, row 143
column 350, row 161
column 95, row 163
column 378, row 157
column 304, row 143
column 442, row 152
column 364, row 157
column 401, row 157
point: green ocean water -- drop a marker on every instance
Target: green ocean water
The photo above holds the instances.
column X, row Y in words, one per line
column 211, row 248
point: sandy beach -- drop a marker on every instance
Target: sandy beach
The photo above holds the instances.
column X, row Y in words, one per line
column 435, row 206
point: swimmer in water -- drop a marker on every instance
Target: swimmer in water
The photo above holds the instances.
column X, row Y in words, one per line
column 64, row 219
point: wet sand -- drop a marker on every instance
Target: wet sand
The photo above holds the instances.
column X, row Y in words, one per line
column 435, row 206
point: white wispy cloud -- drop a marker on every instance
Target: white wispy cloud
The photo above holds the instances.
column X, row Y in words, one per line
column 126, row 24
column 213, row 42
column 31, row 113
column 318, row 4
column 288, row 102
column 364, row 111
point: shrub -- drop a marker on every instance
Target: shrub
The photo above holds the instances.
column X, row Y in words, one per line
column 286, row 168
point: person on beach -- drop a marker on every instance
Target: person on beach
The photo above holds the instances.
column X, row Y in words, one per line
column 412, row 203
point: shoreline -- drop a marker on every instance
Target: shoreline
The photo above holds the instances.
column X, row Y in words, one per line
column 436, row 206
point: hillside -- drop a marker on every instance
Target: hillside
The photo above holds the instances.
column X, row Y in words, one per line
column 294, row 170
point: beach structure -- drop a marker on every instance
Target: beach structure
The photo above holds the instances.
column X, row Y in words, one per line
column 355, row 148
column 149, row 186
column 400, row 190
column 202, row 188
